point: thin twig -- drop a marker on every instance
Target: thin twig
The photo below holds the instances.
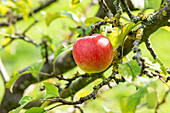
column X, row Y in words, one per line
column 126, row 8
column 4, row 72
column 149, row 47
column 30, row 26
column 106, row 9
column 80, row 109
column 1, row 47
column 91, row 95
column 162, row 102
column 54, row 107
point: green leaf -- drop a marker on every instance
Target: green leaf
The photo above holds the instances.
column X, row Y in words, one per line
column 51, row 90
column 35, row 68
column 162, row 66
column 128, row 105
column 88, row 29
column 69, row 14
column 50, row 40
column 58, row 51
column 147, row 4
column 23, row 102
column 75, row 2
column 10, row 83
column 10, row 30
column 61, row 50
column 92, row 20
column 130, row 68
column 125, row 30
column 51, row 17
column 123, row 104
column 152, row 4
column 152, row 99
column 72, row 16
column 140, row 5
column 166, row 28
column 36, row 110
column 114, row 38
column 3, row 9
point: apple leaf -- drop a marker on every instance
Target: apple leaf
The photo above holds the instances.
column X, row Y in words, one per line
column 162, row 66
column 75, row 2
column 156, row 65
column 128, row 105
column 130, row 68
column 114, row 38
column 23, row 102
column 125, row 30
column 152, row 99
column 34, row 69
column 138, row 4
column 166, row 28
column 10, row 83
column 51, row 90
column 88, row 29
column 147, row 4
column 69, row 14
column 92, row 20
column 152, row 4
column 61, row 50
column 36, row 110
column 3, row 9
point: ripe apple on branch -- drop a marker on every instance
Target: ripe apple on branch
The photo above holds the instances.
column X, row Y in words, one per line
column 93, row 53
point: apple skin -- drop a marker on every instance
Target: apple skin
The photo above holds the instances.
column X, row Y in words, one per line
column 93, row 54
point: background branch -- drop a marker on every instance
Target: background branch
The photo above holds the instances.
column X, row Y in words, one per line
column 42, row 6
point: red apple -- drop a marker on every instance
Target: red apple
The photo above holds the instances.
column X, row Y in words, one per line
column 93, row 54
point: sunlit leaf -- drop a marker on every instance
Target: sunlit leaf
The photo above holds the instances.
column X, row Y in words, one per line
column 51, row 90
column 126, row 29
column 61, row 50
column 58, row 51
column 75, row 2
column 3, row 9
column 114, row 38
column 92, row 20
column 51, row 17
column 162, row 66
column 147, row 4
column 35, row 68
column 130, row 68
column 128, row 105
column 140, row 4
column 82, row 93
column 10, row 30
column 166, row 28
column 152, row 99
column 23, row 102
column 36, row 110
column 69, row 14
column 10, row 83
column 153, row 4
column 156, row 65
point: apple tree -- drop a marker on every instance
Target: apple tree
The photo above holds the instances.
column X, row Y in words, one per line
column 81, row 56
